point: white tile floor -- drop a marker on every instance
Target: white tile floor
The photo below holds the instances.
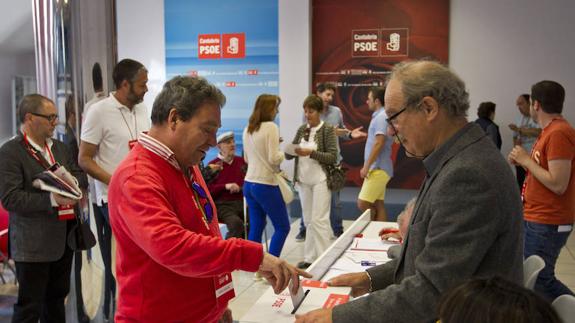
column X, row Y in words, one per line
column 249, row 291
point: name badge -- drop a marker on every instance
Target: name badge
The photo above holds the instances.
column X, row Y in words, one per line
column 224, row 288
column 132, row 143
column 66, row 212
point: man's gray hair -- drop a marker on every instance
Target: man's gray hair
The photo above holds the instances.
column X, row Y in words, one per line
column 428, row 78
column 185, row 94
column 31, row 103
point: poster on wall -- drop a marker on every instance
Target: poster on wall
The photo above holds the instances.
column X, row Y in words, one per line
column 233, row 44
column 354, row 46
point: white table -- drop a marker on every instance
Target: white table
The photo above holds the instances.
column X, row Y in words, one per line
column 336, row 260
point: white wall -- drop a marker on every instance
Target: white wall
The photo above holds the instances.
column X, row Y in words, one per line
column 140, row 26
column 11, row 64
column 499, row 48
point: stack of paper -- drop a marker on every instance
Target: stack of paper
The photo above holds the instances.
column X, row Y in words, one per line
column 58, row 180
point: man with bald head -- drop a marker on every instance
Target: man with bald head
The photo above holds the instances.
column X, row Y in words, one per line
column 467, row 218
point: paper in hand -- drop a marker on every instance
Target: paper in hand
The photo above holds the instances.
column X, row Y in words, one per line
column 296, row 299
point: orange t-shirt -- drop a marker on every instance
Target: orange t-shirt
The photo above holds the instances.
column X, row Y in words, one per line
column 557, row 141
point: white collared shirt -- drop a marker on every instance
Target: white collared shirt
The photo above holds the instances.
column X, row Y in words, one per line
column 111, row 126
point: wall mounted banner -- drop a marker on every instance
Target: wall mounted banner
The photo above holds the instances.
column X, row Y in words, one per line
column 233, row 44
column 354, row 46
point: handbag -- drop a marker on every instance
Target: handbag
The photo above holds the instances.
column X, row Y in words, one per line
column 335, row 174
column 285, row 188
column 284, row 184
column 335, row 177
column 80, row 236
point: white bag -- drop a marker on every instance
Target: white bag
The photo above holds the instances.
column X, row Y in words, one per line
column 285, row 188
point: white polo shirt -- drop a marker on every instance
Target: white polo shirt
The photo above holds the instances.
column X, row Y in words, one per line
column 111, row 126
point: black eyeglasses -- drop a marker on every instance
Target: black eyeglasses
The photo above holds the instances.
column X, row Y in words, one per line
column 50, row 118
column 208, row 211
column 394, row 116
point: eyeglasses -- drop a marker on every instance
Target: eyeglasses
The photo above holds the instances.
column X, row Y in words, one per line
column 208, row 211
column 50, row 118
column 391, row 119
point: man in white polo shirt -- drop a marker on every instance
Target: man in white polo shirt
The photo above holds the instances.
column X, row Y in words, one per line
column 109, row 131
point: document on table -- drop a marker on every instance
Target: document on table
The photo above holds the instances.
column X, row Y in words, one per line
column 365, row 244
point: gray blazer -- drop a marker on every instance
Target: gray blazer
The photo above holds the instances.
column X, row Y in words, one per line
column 36, row 234
column 467, row 222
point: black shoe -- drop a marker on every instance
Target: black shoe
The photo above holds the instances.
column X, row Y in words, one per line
column 303, row 265
column 300, row 236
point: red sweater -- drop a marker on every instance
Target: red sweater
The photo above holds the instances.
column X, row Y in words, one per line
column 166, row 256
column 230, row 173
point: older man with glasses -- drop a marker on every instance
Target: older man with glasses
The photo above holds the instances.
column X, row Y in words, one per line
column 467, row 218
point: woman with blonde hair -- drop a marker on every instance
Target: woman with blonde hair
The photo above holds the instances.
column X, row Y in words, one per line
column 261, row 141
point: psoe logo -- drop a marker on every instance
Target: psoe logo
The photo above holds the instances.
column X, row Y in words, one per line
column 365, row 43
column 209, row 46
column 234, row 45
column 396, row 42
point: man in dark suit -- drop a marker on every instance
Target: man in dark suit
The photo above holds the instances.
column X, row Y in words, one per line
column 467, row 218
column 39, row 220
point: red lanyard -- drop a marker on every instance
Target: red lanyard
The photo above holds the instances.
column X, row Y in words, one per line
column 34, row 153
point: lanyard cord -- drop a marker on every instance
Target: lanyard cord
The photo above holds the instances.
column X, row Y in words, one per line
column 127, row 125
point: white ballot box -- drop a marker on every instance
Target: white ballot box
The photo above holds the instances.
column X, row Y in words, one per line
column 357, row 249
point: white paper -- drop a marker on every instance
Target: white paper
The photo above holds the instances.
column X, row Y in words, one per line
column 365, row 244
column 290, row 149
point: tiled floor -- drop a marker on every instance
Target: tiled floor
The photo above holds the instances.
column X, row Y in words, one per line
column 249, row 291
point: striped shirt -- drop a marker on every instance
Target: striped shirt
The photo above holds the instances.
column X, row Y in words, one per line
column 159, row 149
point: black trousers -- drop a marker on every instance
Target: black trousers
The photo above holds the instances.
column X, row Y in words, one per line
column 520, row 172
column 232, row 214
column 104, row 232
column 43, row 288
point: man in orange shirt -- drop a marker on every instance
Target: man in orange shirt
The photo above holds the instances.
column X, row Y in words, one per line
column 549, row 190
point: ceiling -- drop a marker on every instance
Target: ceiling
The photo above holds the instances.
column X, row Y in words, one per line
column 16, row 30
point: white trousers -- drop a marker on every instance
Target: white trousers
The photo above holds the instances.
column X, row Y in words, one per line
column 316, row 205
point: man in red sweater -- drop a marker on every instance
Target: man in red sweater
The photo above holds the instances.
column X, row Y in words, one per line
column 226, row 186
column 172, row 263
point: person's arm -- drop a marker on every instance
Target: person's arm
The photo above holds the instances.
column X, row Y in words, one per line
column 442, row 263
column 329, row 156
column 492, row 132
column 275, row 155
column 556, row 178
column 375, row 151
column 71, row 164
column 89, row 165
column 529, row 132
column 150, row 222
column 12, row 192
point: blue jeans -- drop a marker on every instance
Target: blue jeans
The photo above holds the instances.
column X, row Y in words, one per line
column 544, row 240
column 267, row 199
column 335, row 219
column 104, row 232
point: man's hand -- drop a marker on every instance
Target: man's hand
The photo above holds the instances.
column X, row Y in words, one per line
column 62, row 200
column 359, row 282
column 513, row 127
column 518, row 156
column 363, row 172
column 357, row 133
column 278, row 273
column 215, row 167
column 316, row 316
column 233, row 187
column 303, row 152
column 226, row 317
